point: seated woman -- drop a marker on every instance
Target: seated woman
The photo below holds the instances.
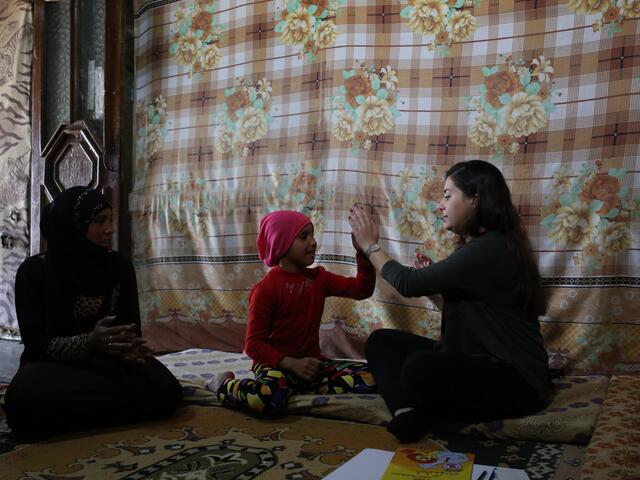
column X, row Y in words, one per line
column 84, row 362
column 490, row 362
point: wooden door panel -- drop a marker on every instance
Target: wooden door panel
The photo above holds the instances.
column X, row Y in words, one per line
column 76, row 155
column 72, row 157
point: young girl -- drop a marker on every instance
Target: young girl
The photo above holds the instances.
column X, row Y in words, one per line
column 285, row 309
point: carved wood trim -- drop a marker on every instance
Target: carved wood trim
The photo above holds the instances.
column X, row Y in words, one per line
column 116, row 178
column 74, row 61
column 63, row 161
column 72, row 157
column 36, row 126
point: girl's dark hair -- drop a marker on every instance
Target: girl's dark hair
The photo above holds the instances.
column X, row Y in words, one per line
column 495, row 211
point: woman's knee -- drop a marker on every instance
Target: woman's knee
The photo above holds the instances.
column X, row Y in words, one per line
column 421, row 377
column 380, row 335
column 170, row 393
column 375, row 342
column 161, row 396
column 28, row 389
column 25, row 402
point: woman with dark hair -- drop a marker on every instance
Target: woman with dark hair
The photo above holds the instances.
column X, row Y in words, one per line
column 84, row 362
column 490, row 362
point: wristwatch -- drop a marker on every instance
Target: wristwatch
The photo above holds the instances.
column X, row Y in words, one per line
column 374, row 247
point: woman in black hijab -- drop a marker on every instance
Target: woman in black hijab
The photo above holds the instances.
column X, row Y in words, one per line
column 85, row 363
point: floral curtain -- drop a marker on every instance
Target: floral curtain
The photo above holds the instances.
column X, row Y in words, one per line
column 315, row 105
column 16, row 40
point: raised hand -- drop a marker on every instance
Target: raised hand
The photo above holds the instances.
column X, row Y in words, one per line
column 421, row 260
column 363, row 227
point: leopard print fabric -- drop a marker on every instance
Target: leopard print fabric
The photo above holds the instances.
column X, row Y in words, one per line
column 68, row 348
column 87, row 306
column 75, row 347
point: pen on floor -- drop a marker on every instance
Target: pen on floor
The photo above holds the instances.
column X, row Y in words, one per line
column 493, row 476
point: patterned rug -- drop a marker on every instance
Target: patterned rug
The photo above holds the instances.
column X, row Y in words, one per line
column 7, row 443
column 215, row 443
column 541, row 461
column 201, row 443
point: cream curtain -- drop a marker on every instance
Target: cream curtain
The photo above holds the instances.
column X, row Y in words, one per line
column 246, row 107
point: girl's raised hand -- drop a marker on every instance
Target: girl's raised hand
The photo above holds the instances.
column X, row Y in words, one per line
column 363, row 227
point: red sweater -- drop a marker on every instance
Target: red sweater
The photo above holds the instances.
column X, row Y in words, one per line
column 285, row 310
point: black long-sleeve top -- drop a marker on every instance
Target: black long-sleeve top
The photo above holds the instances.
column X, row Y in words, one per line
column 481, row 315
column 55, row 317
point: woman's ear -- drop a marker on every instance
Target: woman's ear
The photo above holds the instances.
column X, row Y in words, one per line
column 474, row 201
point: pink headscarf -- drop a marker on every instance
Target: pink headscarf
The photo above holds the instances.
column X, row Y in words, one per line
column 277, row 232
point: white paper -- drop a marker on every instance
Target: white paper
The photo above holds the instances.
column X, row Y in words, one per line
column 370, row 464
column 502, row 473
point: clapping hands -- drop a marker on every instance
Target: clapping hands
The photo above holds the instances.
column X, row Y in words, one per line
column 363, row 227
column 120, row 341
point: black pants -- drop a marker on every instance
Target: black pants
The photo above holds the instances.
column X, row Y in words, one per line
column 47, row 398
column 445, row 387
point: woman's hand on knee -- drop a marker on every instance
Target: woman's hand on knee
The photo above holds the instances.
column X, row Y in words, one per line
column 306, row 368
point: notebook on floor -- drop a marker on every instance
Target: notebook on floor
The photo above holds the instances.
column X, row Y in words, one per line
column 371, row 463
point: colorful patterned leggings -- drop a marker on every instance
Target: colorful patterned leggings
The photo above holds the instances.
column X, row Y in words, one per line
column 271, row 389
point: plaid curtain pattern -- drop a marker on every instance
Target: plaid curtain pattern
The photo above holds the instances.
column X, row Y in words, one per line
column 315, row 105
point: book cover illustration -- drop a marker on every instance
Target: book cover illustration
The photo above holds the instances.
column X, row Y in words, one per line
column 416, row 464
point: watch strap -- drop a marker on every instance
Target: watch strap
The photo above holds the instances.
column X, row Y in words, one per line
column 374, row 247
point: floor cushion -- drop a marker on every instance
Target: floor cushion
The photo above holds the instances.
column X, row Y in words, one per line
column 614, row 450
column 570, row 418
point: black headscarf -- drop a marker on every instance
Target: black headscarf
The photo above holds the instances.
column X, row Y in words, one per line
column 85, row 265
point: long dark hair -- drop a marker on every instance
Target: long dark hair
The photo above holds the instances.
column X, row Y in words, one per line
column 495, row 211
